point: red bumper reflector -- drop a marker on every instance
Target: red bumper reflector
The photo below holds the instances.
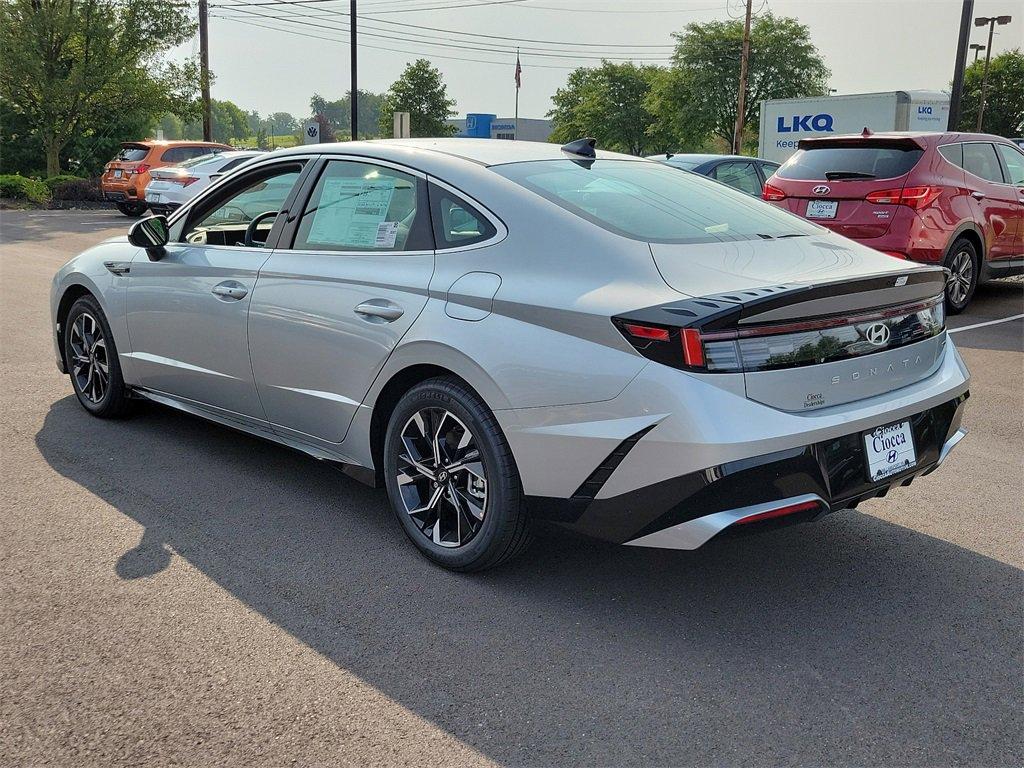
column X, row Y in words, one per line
column 646, row 332
column 781, row 511
column 693, row 347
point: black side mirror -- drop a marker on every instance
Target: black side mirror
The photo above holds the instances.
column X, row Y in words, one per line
column 151, row 233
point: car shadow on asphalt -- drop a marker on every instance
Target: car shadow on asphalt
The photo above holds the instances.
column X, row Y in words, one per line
column 850, row 641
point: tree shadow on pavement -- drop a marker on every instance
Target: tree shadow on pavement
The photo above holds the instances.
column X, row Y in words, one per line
column 851, row 641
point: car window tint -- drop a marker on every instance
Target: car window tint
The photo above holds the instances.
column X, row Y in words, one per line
column 954, row 153
column 870, row 160
column 652, row 202
column 1014, row 160
column 232, row 164
column 363, row 207
column 225, row 219
column 980, row 159
column 132, row 154
column 741, row 176
column 456, row 222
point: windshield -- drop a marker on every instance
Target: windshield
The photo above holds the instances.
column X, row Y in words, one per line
column 652, row 202
column 201, row 160
column 874, row 160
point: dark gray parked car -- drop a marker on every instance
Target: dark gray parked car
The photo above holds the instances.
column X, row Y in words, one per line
column 747, row 174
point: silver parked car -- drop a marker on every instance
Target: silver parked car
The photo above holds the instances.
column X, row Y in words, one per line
column 503, row 332
column 173, row 185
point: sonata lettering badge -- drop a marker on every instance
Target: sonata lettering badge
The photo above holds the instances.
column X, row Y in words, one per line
column 889, row 450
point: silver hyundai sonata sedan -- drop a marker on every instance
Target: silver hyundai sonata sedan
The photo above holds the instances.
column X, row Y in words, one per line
column 501, row 333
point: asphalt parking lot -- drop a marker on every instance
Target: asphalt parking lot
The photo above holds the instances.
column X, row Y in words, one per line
column 172, row 592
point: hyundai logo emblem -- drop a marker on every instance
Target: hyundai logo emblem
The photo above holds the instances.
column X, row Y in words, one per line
column 821, row 189
column 877, row 334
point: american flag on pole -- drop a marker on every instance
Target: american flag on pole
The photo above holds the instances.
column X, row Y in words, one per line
column 519, row 73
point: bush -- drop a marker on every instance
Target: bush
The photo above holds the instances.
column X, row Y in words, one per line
column 75, row 189
column 53, row 181
column 16, row 187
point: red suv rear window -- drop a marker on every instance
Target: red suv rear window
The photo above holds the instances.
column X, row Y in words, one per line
column 865, row 160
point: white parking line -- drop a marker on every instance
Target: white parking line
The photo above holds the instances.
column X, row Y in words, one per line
column 982, row 325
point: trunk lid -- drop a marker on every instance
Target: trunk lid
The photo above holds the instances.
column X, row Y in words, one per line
column 810, row 322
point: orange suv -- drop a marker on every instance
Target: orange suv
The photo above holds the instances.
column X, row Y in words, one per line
column 125, row 177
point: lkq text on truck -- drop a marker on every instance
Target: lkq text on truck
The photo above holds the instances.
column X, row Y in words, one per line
column 785, row 121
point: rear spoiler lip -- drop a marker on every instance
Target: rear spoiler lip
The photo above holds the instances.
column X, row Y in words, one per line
column 856, row 138
column 793, row 301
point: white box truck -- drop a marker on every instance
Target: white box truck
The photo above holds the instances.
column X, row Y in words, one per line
column 785, row 121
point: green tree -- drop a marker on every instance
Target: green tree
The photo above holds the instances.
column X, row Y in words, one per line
column 421, row 92
column 339, row 113
column 1004, row 95
column 69, row 66
column 281, row 123
column 609, row 103
column 228, row 122
column 697, row 97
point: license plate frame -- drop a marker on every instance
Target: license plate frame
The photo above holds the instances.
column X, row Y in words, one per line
column 118, row 173
column 889, row 450
column 822, row 209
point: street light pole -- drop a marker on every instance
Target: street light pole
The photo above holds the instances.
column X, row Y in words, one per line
column 961, row 62
column 981, row 21
column 354, row 99
column 977, row 48
column 737, row 137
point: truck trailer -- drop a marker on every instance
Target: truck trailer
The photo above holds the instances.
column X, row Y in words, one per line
column 785, row 121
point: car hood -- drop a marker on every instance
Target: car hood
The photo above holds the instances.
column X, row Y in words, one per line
column 705, row 269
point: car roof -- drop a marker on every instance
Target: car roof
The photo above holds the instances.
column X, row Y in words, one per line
column 924, row 138
column 170, row 143
column 703, row 158
column 485, row 152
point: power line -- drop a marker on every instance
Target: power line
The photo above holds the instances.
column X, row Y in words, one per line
column 430, row 40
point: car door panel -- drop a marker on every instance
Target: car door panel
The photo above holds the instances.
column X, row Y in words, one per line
column 325, row 318
column 187, row 308
column 994, row 203
column 187, row 340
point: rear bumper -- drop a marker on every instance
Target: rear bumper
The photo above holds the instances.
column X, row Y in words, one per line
column 674, row 447
column 163, row 209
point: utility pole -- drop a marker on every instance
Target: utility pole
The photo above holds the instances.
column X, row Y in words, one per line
column 981, row 21
column 204, row 68
column 355, row 88
column 737, row 137
column 961, row 61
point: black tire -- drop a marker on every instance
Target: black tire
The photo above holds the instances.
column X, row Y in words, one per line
column 88, row 347
column 964, row 265
column 132, row 210
column 470, row 544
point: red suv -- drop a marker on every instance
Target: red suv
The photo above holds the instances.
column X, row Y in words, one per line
column 955, row 199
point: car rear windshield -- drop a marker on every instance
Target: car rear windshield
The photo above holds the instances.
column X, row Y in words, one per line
column 201, row 160
column 652, row 202
column 870, row 160
column 132, row 154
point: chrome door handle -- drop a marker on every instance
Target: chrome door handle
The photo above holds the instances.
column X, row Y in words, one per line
column 379, row 312
column 230, row 291
column 978, row 195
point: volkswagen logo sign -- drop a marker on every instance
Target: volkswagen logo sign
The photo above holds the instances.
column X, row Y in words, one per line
column 821, row 189
column 877, row 334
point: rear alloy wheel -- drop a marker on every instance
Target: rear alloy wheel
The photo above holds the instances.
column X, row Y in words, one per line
column 92, row 360
column 451, row 478
column 133, row 210
column 962, row 263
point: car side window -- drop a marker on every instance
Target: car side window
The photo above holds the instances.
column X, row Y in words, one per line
column 224, row 218
column 954, row 153
column 1013, row 159
column 768, row 169
column 456, row 222
column 232, row 164
column 741, row 176
column 359, row 206
column 980, row 159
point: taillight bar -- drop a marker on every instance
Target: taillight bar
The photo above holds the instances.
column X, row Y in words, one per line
column 821, row 323
column 914, row 197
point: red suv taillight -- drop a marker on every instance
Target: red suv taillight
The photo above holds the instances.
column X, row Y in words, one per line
column 915, row 197
column 140, row 168
column 772, row 193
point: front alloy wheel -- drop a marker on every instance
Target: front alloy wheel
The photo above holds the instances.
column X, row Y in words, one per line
column 90, row 364
column 441, row 477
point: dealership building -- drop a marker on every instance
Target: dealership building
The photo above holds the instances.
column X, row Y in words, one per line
column 478, row 125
